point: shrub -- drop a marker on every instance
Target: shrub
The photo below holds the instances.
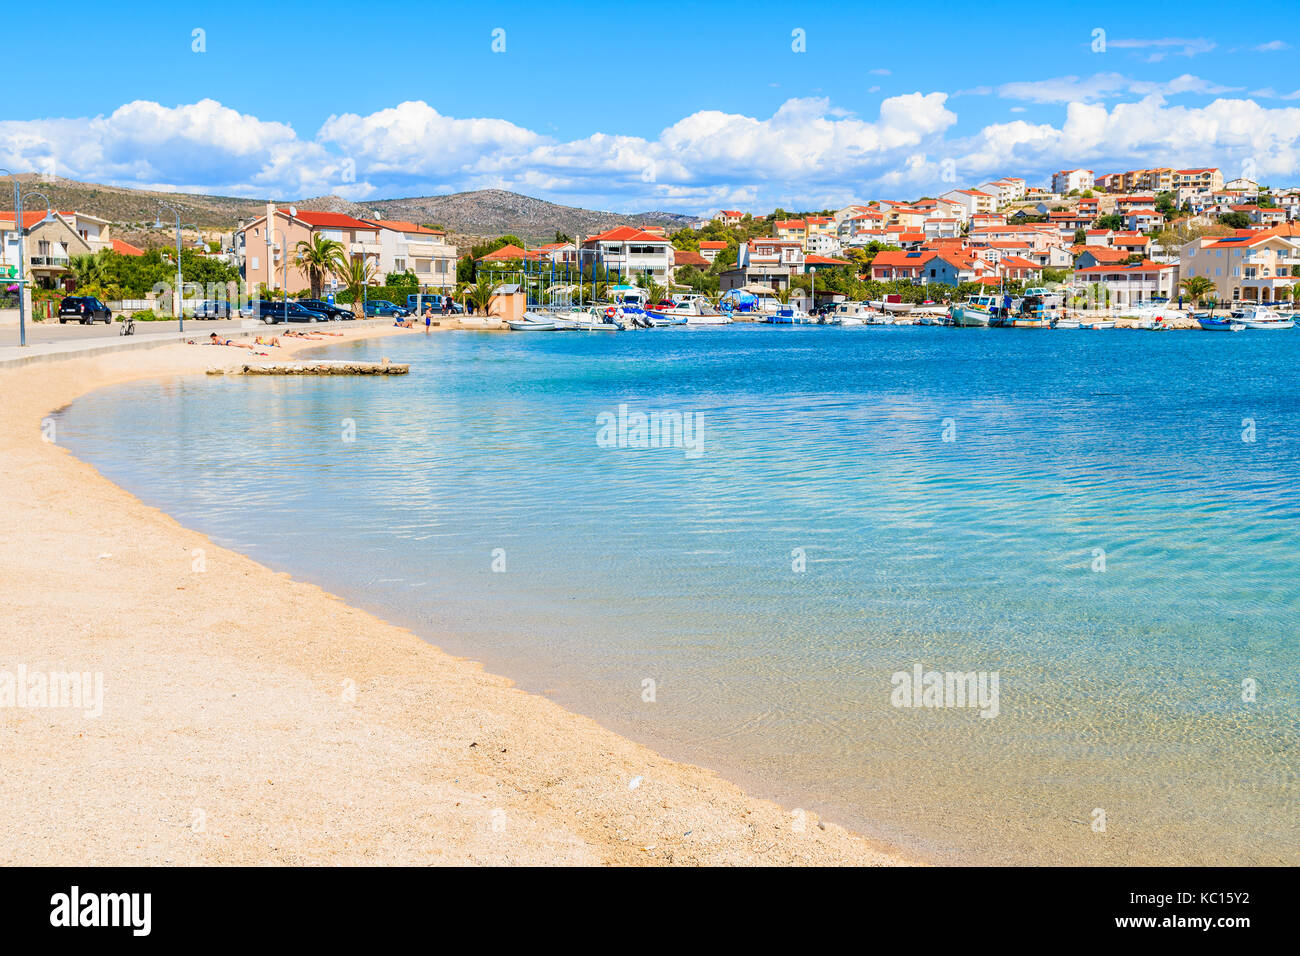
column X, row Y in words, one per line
column 146, row 315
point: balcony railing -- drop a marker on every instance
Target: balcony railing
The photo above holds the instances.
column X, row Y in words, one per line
column 49, row 262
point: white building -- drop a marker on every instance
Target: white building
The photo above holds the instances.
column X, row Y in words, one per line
column 407, row 247
column 1068, row 180
column 631, row 252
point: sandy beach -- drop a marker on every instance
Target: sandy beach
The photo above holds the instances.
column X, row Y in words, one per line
column 249, row 718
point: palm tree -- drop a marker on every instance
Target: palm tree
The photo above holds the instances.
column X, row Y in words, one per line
column 654, row 291
column 318, row 257
column 86, row 269
column 1197, row 288
column 783, row 295
column 480, row 294
column 356, row 275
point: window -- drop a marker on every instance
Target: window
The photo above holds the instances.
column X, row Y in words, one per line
column 399, row 265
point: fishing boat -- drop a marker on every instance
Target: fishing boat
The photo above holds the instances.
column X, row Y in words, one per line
column 1097, row 325
column 1067, row 324
column 1219, row 323
column 976, row 312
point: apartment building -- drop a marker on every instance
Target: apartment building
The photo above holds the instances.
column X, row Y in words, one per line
column 1070, row 180
column 1202, row 180
column 270, row 244
column 1249, row 266
column 407, row 247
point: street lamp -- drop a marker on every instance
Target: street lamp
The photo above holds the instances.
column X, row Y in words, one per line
column 812, row 270
column 22, row 267
column 180, row 279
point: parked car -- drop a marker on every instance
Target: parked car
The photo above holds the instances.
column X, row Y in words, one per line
column 85, row 309
column 325, row 309
column 213, row 309
column 382, row 307
column 272, row 312
column 416, row 304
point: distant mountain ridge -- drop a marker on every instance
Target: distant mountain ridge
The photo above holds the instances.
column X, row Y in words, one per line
column 484, row 213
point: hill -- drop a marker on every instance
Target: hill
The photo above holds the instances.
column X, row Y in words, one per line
column 483, row 213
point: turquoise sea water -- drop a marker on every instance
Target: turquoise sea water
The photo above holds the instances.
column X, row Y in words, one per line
column 1110, row 521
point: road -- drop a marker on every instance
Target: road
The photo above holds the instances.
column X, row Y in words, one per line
column 50, row 332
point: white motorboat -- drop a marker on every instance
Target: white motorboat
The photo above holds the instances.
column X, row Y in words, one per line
column 1261, row 317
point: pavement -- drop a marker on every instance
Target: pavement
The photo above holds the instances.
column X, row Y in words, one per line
column 49, row 341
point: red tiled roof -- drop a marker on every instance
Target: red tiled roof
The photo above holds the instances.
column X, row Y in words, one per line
column 29, row 218
column 625, row 234
column 825, row 261
column 1145, row 266
column 126, row 249
column 712, row 244
column 685, row 257
column 509, row 251
column 330, row 220
column 401, row 225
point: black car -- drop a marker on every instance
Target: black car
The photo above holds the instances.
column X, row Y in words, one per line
column 382, row 307
column 85, row 309
column 213, row 309
column 272, row 312
column 325, row 309
column 433, row 301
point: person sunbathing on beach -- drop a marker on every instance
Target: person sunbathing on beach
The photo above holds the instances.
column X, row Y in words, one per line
column 273, row 341
column 404, row 324
column 214, row 340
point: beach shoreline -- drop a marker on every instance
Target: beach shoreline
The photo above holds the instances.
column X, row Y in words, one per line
column 249, row 718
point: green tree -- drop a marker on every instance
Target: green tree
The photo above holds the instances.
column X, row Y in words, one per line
column 318, row 257
column 1235, row 220
column 1197, row 288
column 480, row 294
column 355, row 274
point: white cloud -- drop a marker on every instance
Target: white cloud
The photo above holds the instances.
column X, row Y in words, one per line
column 808, row 152
column 1162, row 46
column 1272, row 46
column 1102, row 86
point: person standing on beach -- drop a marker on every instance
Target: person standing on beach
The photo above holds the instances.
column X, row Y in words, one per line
column 428, row 317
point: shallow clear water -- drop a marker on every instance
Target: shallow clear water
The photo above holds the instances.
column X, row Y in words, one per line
column 1119, row 689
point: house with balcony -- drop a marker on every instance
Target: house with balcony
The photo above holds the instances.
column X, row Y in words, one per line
column 407, row 247
column 971, row 202
column 728, row 217
column 1246, row 267
column 790, row 229
column 821, row 244
column 765, row 261
column 1266, row 216
column 1068, row 223
column 1019, row 268
column 1143, row 219
column 1131, row 285
column 1100, row 256
column 710, row 248
column 630, row 252
column 50, row 245
column 270, row 244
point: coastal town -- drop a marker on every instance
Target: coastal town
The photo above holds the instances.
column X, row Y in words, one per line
column 1108, row 242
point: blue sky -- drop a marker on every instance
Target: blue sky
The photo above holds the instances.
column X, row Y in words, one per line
column 679, row 106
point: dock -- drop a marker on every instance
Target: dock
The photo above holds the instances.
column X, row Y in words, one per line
column 316, row 368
